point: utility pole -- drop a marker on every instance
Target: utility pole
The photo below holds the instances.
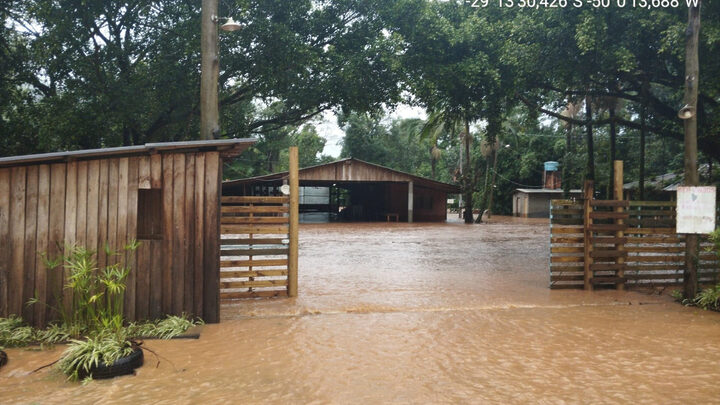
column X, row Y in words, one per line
column 209, row 71
column 692, row 71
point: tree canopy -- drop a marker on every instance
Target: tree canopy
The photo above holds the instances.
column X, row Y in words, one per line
column 106, row 73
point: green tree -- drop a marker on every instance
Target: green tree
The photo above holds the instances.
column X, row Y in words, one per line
column 107, row 73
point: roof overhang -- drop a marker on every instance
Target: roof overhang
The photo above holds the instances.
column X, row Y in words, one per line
column 317, row 176
column 228, row 148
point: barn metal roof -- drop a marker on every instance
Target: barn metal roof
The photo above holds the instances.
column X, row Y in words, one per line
column 324, row 174
column 229, row 147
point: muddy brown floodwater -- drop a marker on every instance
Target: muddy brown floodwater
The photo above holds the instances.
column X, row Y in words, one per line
column 418, row 313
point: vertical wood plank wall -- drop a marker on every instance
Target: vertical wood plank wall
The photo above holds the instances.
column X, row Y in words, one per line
column 44, row 207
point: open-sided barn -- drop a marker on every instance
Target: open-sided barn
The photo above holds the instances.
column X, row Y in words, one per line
column 352, row 189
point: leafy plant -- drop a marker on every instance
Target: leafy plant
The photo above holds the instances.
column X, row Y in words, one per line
column 54, row 334
column 714, row 238
column 709, row 298
column 163, row 329
column 14, row 333
column 105, row 346
column 97, row 294
column 677, row 295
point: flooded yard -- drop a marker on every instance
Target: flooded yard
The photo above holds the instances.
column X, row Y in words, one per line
column 418, row 313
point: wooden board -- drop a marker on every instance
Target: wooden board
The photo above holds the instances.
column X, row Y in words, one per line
column 256, row 209
column 103, row 193
column 93, row 204
column 17, row 240
column 131, row 235
column 610, row 203
column 82, row 203
column 113, row 190
column 254, row 220
column 43, row 223
column 168, row 230
column 212, row 230
column 56, row 231
column 29, row 261
column 198, row 276
column 253, row 273
column 255, row 252
column 254, row 241
column 178, row 246
column 188, row 305
column 246, row 229
column 255, row 199
column 5, row 254
column 253, row 263
column 70, row 221
column 253, row 294
column 254, row 283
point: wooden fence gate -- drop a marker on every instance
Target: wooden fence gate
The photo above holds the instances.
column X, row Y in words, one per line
column 259, row 243
column 619, row 243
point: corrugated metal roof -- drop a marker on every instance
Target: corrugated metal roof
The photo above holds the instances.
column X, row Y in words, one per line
column 235, row 146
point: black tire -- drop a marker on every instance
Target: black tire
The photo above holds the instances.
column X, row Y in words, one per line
column 3, row 358
column 125, row 365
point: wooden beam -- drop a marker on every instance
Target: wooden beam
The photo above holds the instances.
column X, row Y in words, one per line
column 294, row 223
column 587, row 259
column 620, row 246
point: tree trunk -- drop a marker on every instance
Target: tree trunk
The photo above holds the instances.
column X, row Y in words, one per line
column 641, row 181
column 692, row 72
column 566, row 163
column 492, row 183
column 613, row 151
column 590, row 169
column 467, row 183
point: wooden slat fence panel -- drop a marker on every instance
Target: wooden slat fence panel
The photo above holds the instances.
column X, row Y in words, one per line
column 653, row 252
column 566, row 244
column 254, row 247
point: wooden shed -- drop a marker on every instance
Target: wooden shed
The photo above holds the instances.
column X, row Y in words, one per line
column 357, row 190
column 535, row 203
column 165, row 195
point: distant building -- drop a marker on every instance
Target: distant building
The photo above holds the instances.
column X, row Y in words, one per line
column 352, row 190
column 664, row 186
column 530, row 202
column 535, row 203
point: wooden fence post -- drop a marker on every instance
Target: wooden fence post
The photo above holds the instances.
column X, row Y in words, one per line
column 587, row 245
column 620, row 246
column 294, row 223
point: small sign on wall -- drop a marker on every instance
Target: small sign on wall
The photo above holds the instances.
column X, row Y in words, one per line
column 696, row 209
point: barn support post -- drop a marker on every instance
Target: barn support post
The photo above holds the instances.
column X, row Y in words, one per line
column 294, row 222
column 410, row 201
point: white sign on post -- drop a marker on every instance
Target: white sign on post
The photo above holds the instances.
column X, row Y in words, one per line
column 695, row 210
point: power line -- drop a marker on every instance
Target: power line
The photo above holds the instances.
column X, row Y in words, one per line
column 514, row 182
